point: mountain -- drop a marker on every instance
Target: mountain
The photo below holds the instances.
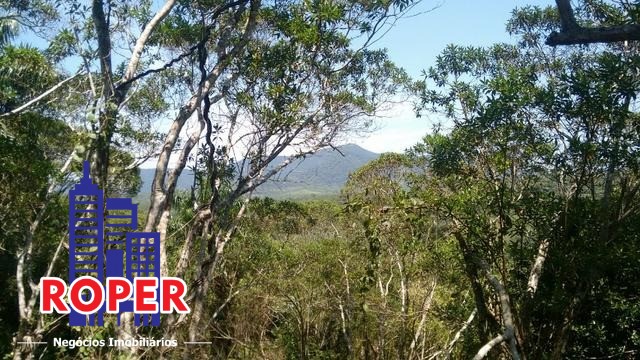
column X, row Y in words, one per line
column 318, row 175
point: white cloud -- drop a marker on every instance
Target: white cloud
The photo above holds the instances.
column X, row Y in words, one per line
column 397, row 129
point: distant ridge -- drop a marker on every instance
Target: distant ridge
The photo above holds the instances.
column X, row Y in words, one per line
column 321, row 174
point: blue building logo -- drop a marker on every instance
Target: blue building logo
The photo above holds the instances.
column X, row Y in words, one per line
column 113, row 269
column 103, row 243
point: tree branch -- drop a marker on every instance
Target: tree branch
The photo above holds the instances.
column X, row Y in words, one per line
column 567, row 18
column 572, row 33
column 459, row 333
column 142, row 40
column 536, row 269
column 104, row 46
column 583, row 35
column 507, row 316
column 488, row 346
column 25, row 253
column 40, row 97
column 130, row 77
column 426, row 305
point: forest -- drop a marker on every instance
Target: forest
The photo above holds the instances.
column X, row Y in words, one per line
column 506, row 232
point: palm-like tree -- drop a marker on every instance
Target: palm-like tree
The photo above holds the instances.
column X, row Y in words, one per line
column 8, row 29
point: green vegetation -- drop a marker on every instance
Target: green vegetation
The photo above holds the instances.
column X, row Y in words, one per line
column 512, row 234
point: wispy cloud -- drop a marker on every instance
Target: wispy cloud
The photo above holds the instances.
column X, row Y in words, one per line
column 397, row 129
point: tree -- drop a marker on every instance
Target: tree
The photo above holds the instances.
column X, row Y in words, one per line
column 298, row 84
column 20, row 13
column 537, row 180
column 614, row 21
column 405, row 262
column 254, row 78
column 32, row 145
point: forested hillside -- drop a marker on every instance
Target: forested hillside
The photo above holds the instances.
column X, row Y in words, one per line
column 511, row 230
column 321, row 174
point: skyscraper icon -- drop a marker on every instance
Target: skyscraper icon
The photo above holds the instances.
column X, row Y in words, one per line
column 103, row 243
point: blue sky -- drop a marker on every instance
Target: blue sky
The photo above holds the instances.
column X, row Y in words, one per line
column 413, row 43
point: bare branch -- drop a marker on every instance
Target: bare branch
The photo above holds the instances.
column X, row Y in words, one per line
column 130, row 77
column 426, row 305
column 482, row 353
column 459, row 333
column 144, row 36
column 40, row 97
column 536, row 269
column 507, row 316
